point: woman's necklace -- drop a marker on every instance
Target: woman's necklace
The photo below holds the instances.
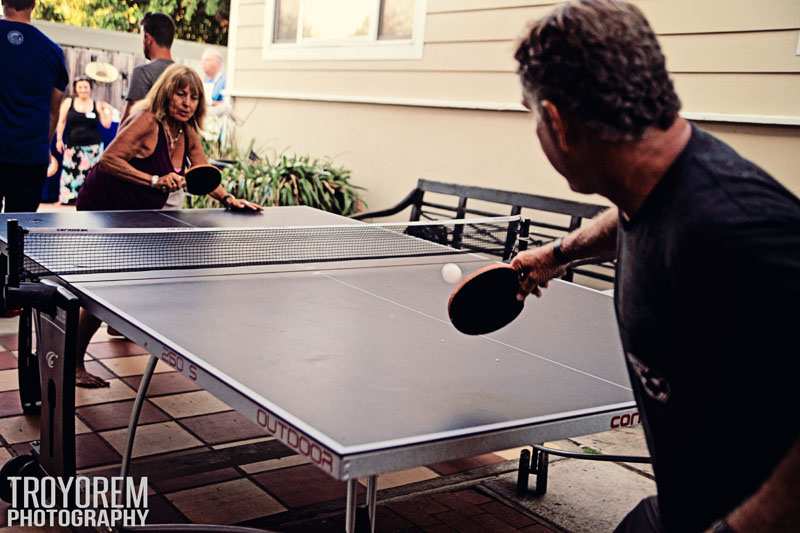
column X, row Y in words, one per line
column 172, row 139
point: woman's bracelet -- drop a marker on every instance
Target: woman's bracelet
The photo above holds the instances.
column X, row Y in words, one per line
column 224, row 199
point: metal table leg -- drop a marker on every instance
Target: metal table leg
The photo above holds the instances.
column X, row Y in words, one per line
column 352, row 504
column 141, row 394
column 372, row 500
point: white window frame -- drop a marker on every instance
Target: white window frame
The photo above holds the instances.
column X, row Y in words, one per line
column 355, row 48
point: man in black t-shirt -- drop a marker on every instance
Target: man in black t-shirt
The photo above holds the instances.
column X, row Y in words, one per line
column 708, row 270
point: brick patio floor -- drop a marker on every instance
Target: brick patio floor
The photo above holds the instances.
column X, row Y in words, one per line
column 287, row 493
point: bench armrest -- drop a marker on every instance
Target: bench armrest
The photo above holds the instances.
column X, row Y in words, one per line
column 412, row 198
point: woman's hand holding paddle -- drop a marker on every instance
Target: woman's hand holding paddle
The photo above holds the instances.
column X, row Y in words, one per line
column 170, row 182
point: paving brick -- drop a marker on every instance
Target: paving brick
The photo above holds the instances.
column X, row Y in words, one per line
column 472, row 496
column 9, row 403
column 303, row 485
column 196, row 480
column 223, row 427
column 229, row 502
column 7, row 361
column 163, row 512
column 388, row 520
column 425, row 505
column 463, row 502
column 418, row 512
column 507, row 514
column 460, row 522
column 106, row 350
column 442, row 528
column 9, row 342
column 167, row 383
column 115, row 415
column 468, row 463
column 492, row 523
column 91, row 450
column 96, row 368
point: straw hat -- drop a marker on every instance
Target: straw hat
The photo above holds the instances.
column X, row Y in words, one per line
column 102, row 72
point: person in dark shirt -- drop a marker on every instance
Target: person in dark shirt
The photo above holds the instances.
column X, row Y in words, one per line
column 31, row 89
column 708, row 270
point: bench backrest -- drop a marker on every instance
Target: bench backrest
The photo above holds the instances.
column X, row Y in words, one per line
column 549, row 217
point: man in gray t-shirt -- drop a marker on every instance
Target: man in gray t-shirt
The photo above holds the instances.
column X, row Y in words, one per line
column 158, row 32
column 143, row 77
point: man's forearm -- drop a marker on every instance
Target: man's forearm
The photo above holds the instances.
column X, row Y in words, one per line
column 598, row 238
column 774, row 507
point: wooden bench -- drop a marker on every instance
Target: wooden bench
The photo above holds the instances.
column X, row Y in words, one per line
column 548, row 218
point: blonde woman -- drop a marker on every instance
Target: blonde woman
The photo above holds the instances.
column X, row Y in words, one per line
column 81, row 117
column 147, row 159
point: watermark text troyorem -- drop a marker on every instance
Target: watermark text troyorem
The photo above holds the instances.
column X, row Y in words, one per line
column 77, row 502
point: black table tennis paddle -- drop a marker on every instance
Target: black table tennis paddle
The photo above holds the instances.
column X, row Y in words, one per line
column 202, row 179
column 486, row 300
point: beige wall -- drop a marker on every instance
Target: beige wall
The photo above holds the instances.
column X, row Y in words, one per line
column 454, row 115
column 390, row 147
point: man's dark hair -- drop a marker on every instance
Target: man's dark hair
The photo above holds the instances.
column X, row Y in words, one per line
column 19, row 5
column 600, row 64
column 160, row 27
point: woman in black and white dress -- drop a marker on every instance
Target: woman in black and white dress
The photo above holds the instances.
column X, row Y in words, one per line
column 80, row 117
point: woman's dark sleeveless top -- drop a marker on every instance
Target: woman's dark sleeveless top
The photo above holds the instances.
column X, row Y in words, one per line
column 103, row 191
column 83, row 131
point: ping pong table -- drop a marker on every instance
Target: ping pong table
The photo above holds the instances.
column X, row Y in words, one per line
column 351, row 362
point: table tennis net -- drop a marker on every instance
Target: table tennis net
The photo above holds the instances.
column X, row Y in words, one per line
column 66, row 251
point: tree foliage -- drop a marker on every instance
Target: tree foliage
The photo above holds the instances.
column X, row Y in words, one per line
column 196, row 20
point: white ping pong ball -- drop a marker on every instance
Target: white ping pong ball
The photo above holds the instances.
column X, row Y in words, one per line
column 451, row 273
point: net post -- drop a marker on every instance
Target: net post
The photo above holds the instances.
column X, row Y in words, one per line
column 16, row 248
column 512, row 234
column 458, row 229
column 523, row 235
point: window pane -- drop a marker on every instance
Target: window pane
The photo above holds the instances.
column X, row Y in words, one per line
column 397, row 19
column 326, row 19
column 286, row 20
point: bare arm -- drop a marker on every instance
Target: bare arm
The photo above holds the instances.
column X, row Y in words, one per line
column 136, row 139
column 104, row 112
column 774, row 507
column 62, row 123
column 195, row 149
column 198, row 157
column 126, row 112
column 597, row 239
column 55, row 107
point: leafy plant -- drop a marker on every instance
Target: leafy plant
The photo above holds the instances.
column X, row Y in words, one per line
column 289, row 179
column 196, row 20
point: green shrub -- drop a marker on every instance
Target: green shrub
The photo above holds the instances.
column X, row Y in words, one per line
column 289, row 179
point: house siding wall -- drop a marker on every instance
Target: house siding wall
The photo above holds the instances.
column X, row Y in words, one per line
column 455, row 114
